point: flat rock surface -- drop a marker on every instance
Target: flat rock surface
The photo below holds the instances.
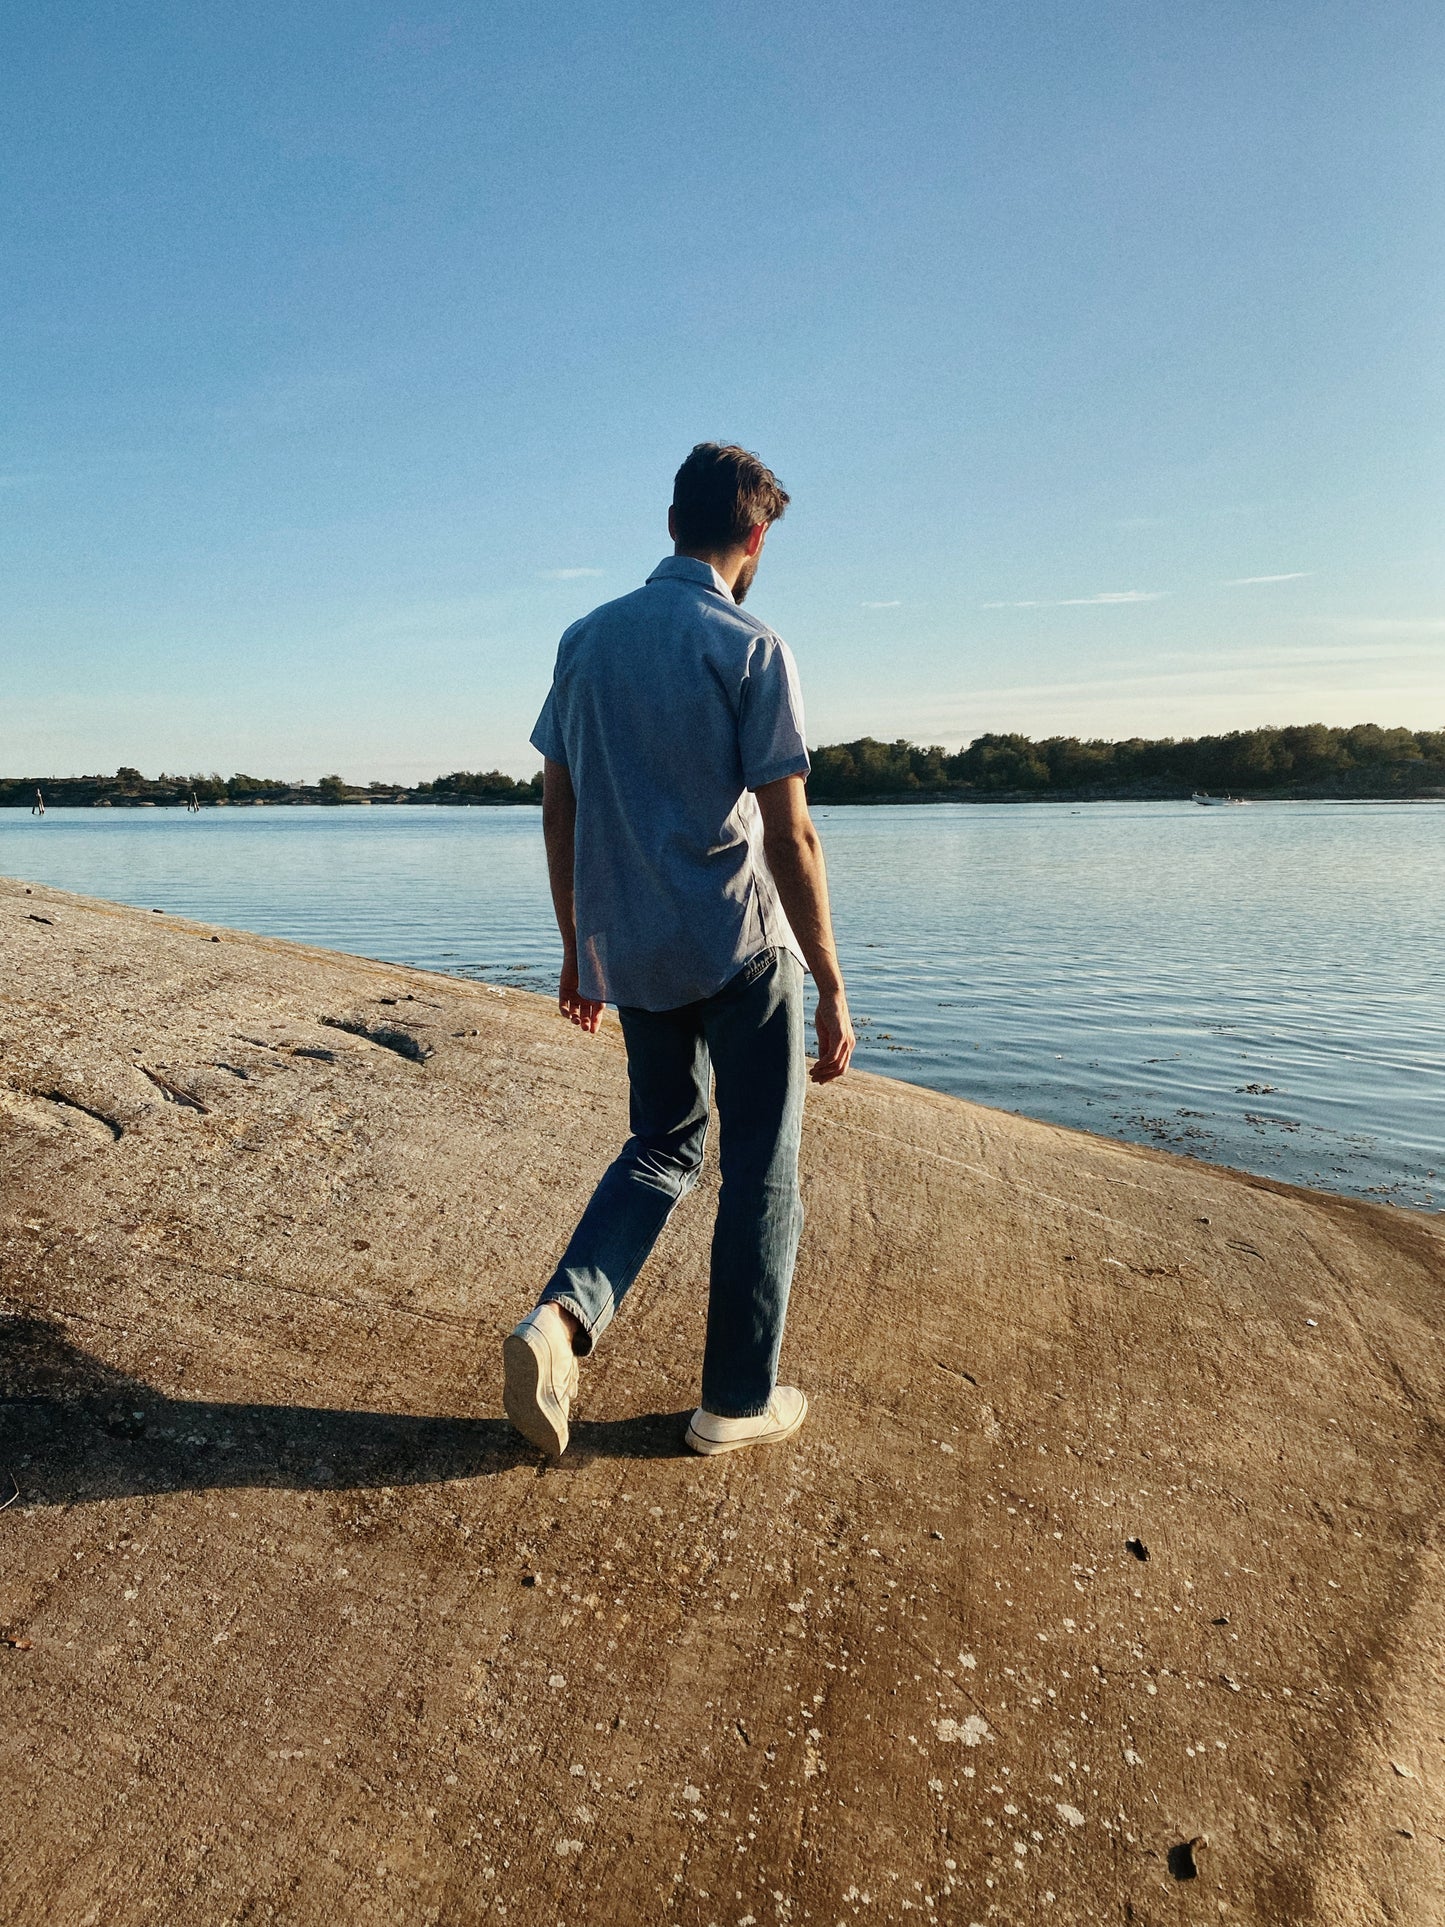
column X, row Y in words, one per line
column 1103, row 1584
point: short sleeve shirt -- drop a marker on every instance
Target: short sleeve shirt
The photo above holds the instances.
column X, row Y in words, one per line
column 669, row 707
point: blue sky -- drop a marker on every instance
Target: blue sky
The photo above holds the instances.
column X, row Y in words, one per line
column 350, row 350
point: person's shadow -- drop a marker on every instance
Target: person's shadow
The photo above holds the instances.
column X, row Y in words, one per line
column 74, row 1429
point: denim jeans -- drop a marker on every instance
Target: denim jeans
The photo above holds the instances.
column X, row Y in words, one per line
column 751, row 1034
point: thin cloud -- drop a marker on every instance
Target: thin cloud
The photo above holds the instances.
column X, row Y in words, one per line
column 1114, row 595
column 1087, row 601
column 1226, row 694
column 567, row 575
column 1385, row 627
column 882, row 605
column 1248, row 581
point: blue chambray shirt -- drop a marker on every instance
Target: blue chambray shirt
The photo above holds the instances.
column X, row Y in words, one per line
column 668, row 708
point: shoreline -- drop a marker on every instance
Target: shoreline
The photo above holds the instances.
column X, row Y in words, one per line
column 926, row 798
column 1202, row 1110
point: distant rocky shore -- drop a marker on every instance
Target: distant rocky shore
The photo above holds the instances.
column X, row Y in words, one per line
column 128, row 789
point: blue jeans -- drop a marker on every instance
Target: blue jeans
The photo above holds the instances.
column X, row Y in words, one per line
column 751, row 1034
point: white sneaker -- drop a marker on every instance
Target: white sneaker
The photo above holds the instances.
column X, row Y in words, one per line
column 539, row 1379
column 708, row 1433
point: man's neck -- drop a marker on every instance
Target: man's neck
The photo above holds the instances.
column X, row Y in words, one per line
column 728, row 565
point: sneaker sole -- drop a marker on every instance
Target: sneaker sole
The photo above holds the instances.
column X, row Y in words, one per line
column 709, row 1448
column 536, row 1418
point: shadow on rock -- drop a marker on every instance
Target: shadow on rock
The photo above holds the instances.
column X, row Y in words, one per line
column 74, row 1429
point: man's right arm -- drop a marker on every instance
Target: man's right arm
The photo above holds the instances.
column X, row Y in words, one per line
column 559, row 832
column 795, row 857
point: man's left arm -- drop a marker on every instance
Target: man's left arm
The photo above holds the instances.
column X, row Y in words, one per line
column 559, row 832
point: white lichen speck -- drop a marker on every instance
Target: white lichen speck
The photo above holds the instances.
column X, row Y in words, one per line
column 972, row 1731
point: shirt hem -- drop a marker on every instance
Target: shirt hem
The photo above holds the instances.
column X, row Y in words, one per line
column 700, row 996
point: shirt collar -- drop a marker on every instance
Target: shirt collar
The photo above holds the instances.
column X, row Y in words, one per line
column 687, row 568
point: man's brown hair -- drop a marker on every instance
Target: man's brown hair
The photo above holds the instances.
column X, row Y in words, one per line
column 720, row 492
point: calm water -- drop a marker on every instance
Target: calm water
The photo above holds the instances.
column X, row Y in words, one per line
column 1261, row 987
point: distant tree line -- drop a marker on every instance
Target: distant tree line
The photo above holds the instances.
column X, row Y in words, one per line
column 129, row 789
column 1308, row 759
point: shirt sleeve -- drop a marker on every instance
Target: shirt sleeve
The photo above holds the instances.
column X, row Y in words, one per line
column 547, row 736
column 770, row 720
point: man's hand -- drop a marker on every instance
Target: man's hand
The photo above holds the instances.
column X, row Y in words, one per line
column 835, row 1038
column 580, row 1010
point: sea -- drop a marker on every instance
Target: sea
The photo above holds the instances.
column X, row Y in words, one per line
column 1262, row 986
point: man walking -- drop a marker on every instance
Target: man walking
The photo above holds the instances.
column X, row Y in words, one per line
column 689, row 888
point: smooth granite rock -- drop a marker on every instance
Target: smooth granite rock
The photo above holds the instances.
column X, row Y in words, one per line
column 1103, row 1584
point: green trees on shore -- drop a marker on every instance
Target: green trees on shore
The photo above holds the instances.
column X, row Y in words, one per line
column 1307, row 759
column 491, row 786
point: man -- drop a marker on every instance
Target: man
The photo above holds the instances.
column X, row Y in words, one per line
column 689, row 888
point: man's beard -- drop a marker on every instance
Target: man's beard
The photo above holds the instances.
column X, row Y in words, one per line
column 745, row 579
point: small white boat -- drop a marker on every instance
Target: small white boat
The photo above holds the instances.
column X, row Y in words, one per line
column 1219, row 802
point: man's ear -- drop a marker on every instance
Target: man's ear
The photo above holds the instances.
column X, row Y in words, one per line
column 755, row 538
column 672, row 524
